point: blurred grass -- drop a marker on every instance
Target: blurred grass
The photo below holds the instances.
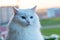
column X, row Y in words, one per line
column 48, row 32
column 50, row 21
column 51, row 31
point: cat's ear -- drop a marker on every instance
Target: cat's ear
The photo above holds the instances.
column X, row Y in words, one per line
column 34, row 8
column 15, row 10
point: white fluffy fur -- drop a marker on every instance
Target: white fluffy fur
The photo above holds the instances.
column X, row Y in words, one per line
column 20, row 32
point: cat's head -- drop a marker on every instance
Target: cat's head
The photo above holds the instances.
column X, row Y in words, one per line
column 25, row 17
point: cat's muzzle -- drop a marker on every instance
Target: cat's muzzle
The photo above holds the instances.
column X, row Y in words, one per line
column 28, row 23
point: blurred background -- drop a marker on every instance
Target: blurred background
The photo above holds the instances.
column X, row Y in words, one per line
column 47, row 10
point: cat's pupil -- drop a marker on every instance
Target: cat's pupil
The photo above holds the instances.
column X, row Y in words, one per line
column 31, row 17
column 23, row 17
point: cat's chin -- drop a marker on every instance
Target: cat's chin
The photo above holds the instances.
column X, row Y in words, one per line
column 26, row 25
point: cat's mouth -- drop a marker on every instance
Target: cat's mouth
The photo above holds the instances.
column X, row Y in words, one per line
column 27, row 24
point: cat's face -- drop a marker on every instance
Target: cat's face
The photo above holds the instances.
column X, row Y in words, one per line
column 25, row 17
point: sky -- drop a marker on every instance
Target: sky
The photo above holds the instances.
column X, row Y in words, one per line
column 31, row 3
column 49, row 3
column 8, row 2
column 41, row 3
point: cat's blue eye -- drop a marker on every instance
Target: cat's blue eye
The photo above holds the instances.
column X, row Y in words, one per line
column 23, row 17
column 31, row 17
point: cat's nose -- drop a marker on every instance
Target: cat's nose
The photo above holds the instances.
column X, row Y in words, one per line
column 28, row 22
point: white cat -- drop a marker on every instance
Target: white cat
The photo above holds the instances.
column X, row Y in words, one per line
column 25, row 25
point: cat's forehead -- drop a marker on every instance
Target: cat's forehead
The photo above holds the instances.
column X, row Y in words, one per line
column 26, row 12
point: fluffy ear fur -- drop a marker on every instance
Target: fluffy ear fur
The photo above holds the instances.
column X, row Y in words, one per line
column 34, row 8
column 15, row 10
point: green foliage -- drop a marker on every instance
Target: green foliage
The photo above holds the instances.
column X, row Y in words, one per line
column 51, row 31
column 50, row 21
column 50, row 39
